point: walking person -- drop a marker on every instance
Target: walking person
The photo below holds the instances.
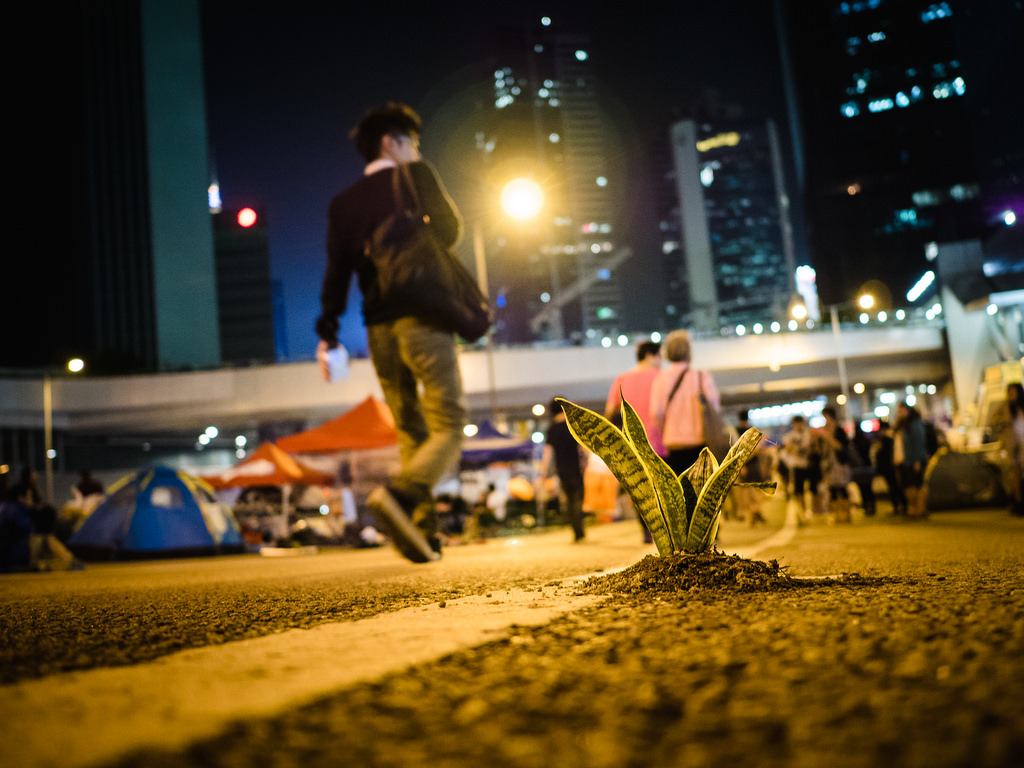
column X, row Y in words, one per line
column 910, row 454
column 564, row 455
column 1009, row 424
column 796, row 454
column 676, row 403
column 415, row 362
column 836, row 466
column 634, row 386
column 885, row 466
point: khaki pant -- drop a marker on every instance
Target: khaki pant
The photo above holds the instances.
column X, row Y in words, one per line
column 419, row 374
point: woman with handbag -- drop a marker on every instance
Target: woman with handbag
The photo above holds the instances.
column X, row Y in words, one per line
column 680, row 396
column 414, row 358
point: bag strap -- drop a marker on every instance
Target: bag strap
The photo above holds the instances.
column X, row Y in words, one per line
column 401, row 173
column 679, row 381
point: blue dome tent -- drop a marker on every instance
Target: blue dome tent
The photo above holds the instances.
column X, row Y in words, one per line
column 159, row 512
column 489, row 445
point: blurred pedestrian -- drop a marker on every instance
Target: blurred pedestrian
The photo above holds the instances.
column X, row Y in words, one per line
column 796, row 455
column 910, row 454
column 416, row 363
column 676, row 403
column 1009, row 430
column 885, row 466
column 863, row 469
column 565, row 458
column 755, row 470
column 836, row 466
column 634, row 386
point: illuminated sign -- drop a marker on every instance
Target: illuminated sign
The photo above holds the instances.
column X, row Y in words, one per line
column 721, row 140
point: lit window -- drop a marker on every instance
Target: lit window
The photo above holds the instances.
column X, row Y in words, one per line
column 850, row 109
column 581, row 55
column 876, row 37
column 902, row 100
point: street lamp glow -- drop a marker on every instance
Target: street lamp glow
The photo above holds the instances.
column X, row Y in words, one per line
column 76, row 365
column 866, row 301
column 522, row 198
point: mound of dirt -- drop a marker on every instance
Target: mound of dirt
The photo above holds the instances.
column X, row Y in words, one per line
column 680, row 573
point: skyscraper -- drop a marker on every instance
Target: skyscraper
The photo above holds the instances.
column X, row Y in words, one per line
column 541, row 116
column 910, row 113
column 728, row 255
column 113, row 152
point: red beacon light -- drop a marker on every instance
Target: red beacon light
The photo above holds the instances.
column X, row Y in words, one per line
column 246, row 217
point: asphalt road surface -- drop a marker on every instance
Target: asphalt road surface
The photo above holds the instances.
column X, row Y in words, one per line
column 121, row 661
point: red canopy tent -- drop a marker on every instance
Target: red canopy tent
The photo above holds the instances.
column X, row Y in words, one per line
column 368, row 425
column 268, row 465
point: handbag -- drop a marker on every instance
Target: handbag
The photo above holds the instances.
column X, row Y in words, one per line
column 415, row 270
column 716, row 433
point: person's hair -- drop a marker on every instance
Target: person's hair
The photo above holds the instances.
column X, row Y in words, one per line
column 798, row 419
column 677, row 347
column 391, row 118
column 743, row 416
column 645, row 348
column 829, row 411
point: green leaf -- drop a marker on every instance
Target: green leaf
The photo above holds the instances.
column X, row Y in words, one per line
column 599, row 435
column 708, row 513
column 666, row 485
column 701, row 470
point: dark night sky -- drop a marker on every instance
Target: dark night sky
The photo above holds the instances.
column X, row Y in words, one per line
column 287, row 80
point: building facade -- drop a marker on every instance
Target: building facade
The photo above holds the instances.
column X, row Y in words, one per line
column 909, row 113
column 540, row 116
column 728, row 250
column 113, row 151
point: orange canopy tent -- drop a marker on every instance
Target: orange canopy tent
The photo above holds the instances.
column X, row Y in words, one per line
column 368, row 425
column 268, row 465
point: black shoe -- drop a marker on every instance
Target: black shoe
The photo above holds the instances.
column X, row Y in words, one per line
column 398, row 521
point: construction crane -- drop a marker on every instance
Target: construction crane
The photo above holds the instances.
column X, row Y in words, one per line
column 550, row 312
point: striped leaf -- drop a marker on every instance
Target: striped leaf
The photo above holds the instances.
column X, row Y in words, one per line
column 708, row 513
column 599, row 435
column 666, row 485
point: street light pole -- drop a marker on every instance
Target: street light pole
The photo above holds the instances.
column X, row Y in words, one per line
column 75, row 365
column 844, row 384
column 48, row 433
column 480, row 257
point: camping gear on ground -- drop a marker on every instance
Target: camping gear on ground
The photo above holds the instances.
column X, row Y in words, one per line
column 414, row 269
column 489, row 445
column 368, row 425
column 158, row 512
column 964, row 479
column 270, row 467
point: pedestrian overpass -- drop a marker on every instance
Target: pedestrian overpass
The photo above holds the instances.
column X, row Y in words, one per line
column 269, row 401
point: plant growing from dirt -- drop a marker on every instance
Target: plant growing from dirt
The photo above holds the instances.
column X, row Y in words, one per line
column 682, row 513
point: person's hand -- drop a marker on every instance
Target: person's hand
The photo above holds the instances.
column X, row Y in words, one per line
column 321, row 359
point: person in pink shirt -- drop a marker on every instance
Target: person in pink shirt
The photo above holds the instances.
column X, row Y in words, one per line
column 676, row 403
column 635, row 386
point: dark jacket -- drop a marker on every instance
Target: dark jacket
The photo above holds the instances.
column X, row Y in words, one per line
column 352, row 217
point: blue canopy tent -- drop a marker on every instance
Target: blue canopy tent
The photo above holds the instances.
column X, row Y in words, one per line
column 489, row 445
column 159, row 512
